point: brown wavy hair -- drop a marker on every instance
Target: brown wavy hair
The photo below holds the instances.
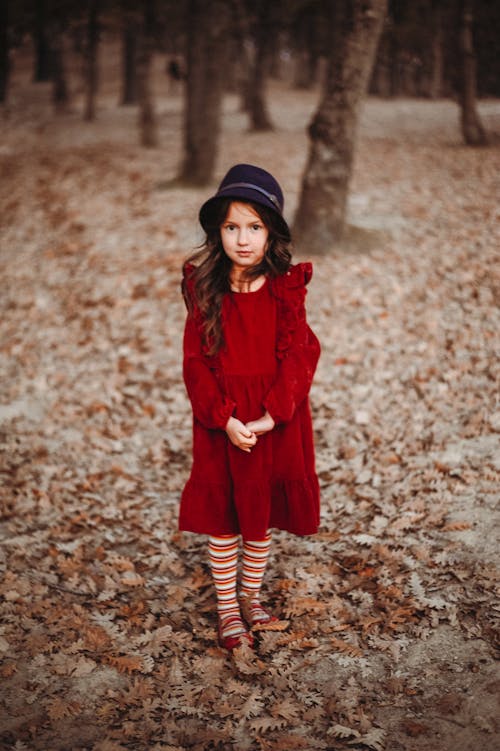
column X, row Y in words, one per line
column 210, row 277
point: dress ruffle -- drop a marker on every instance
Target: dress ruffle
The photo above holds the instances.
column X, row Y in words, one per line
column 290, row 293
column 205, row 508
column 288, row 505
column 294, row 506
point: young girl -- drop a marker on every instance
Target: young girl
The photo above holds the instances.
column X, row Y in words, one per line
column 249, row 360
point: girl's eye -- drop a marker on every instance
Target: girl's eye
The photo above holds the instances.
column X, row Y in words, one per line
column 229, row 227
column 256, row 227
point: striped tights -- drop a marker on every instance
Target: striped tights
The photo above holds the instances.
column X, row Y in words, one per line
column 223, row 557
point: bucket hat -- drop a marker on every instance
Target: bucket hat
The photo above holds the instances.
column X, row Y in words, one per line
column 248, row 183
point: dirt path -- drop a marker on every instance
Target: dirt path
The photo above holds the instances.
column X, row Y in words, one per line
column 107, row 633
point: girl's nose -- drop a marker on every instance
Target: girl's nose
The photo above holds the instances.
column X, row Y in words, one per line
column 242, row 237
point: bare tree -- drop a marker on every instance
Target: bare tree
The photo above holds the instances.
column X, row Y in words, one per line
column 472, row 128
column 147, row 116
column 129, row 55
column 256, row 93
column 306, row 46
column 91, row 66
column 437, row 74
column 205, row 56
column 42, row 46
column 60, row 89
column 240, row 49
column 354, row 30
column 254, row 29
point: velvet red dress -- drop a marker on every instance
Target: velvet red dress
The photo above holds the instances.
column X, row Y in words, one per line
column 267, row 363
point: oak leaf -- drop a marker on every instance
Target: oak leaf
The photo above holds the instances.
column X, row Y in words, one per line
column 108, row 745
column 295, row 742
column 286, row 709
column 374, row 739
column 456, row 526
column 342, row 731
column 264, row 724
column 95, row 638
column 83, row 666
column 125, row 663
column 8, row 670
column 120, row 563
column 58, row 708
column 304, row 643
column 246, row 661
column 343, row 646
column 271, row 626
column 303, row 605
column 252, row 705
column 414, row 729
column 132, row 579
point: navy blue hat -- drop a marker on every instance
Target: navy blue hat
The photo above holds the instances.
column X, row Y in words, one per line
column 248, row 183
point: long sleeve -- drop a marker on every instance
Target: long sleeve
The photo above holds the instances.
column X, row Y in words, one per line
column 211, row 407
column 295, row 374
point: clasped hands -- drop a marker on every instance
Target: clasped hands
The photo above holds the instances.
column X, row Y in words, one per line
column 244, row 436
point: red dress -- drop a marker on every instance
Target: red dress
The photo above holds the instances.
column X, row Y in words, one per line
column 267, row 362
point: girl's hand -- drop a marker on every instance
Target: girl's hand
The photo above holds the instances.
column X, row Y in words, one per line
column 263, row 425
column 240, row 435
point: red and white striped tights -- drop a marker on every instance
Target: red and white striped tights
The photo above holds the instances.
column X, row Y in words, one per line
column 223, row 557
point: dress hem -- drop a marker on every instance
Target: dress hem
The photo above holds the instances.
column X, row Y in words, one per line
column 290, row 505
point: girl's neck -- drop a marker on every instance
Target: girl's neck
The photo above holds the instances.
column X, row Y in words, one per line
column 238, row 283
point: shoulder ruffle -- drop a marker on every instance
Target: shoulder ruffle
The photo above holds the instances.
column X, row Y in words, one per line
column 297, row 277
column 290, row 291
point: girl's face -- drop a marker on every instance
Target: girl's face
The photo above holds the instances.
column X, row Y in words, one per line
column 244, row 236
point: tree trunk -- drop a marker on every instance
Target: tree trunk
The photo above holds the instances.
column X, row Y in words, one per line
column 42, row 48
column 60, row 91
column 301, row 70
column 472, row 128
column 381, row 80
column 256, row 95
column 395, row 62
column 147, row 117
column 129, row 62
column 4, row 50
column 240, row 22
column 207, row 21
column 354, row 32
column 306, row 53
column 91, row 68
column 436, row 82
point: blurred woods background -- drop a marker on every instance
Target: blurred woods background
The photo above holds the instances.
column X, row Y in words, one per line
column 411, row 48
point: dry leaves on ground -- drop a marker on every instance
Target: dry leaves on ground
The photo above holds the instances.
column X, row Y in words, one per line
column 108, row 627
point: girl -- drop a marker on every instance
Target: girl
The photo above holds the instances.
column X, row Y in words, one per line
column 249, row 360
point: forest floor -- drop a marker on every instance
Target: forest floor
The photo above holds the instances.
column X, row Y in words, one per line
column 389, row 615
